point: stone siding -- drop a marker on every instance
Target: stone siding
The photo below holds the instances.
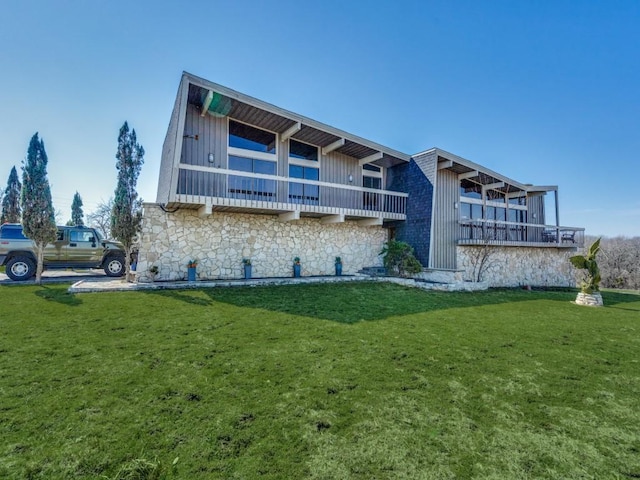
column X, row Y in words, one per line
column 220, row 241
column 519, row 266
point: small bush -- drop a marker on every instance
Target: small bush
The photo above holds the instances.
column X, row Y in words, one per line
column 399, row 259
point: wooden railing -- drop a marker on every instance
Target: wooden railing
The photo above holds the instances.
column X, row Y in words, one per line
column 495, row 232
column 232, row 184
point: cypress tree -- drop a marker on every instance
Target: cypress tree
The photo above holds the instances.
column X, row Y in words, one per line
column 77, row 214
column 38, row 217
column 126, row 217
column 11, row 212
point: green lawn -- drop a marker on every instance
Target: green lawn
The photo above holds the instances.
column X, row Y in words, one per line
column 354, row 380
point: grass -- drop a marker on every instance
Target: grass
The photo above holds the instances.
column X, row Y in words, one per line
column 362, row 381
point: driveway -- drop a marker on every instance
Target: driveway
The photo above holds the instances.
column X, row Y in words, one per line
column 58, row 276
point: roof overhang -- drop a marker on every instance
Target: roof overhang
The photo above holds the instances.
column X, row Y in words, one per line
column 466, row 169
column 219, row 100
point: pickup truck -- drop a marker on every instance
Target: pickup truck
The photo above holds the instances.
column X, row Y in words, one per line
column 74, row 247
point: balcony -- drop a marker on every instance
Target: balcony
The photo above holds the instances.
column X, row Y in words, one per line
column 234, row 190
column 512, row 234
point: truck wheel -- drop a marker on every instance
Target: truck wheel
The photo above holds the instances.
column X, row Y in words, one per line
column 114, row 266
column 20, row 268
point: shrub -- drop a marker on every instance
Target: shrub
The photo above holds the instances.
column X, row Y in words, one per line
column 399, row 259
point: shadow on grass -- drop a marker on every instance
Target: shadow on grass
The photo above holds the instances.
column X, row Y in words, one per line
column 355, row 301
column 613, row 299
column 59, row 295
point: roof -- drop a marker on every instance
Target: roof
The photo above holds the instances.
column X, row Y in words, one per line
column 480, row 174
column 269, row 117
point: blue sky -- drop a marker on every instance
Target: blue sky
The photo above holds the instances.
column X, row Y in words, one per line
column 544, row 92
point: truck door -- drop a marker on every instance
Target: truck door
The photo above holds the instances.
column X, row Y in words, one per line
column 55, row 252
column 83, row 247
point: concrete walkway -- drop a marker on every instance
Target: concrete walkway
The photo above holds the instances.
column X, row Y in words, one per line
column 119, row 285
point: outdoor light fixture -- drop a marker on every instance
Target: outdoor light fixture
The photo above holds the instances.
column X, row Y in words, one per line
column 455, row 205
column 195, row 137
column 350, row 178
column 211, row 158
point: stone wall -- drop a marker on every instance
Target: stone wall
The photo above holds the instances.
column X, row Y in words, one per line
column 519, row 266
column 220, row 241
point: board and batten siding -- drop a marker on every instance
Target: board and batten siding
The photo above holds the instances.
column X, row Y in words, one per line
column 535, row 207
column 445, row 221
column 172, row 141
column 213, row 138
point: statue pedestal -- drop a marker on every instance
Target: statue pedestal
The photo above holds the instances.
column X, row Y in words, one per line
column 589, row 299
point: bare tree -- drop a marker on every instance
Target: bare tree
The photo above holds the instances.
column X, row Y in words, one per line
column 480, row 260
column 100, row 218
column 620, row 262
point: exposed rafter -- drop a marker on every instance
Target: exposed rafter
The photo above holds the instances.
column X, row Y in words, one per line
column 370, row 158
column 445, row 164
column 207, row 103
column 494, row 186
column 471, row 174
column 333, row 146
column 284, row 136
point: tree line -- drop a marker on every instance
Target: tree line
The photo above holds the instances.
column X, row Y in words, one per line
column 619, row 261
column 29, row 201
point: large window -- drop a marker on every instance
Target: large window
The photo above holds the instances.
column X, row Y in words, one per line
column 469, row 189
column 303, row 151
column 251, row 150
column 250, row 188
column 303, row 164
column 371, row 178
column 303, row 192
column 251, row 138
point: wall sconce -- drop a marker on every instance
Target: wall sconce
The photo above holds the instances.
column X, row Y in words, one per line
column 194, row 137
column 211, row 158
column 350, row 178
column 534, row 215
column 455, row 205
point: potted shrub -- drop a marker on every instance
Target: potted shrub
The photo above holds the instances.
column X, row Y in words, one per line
column 191, row 270
column 246, row 262
column 590, row 285
column 338, row 266
column 296, row 267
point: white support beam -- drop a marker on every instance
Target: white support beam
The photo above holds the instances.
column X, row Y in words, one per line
column 284, row 136
column 207, row 103
column 370, row 222
column 205, row 210
column 471, row 174
column 493, row 186
column 339, row 218
column 333, row 146
column 370, row 158
column 289, row 216
column 445, row 164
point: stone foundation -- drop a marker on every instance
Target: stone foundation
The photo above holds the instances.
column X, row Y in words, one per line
column 519, row 266
column 589, row 299
column 220, row 241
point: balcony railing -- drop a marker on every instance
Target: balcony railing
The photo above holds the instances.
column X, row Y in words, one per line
column 249, row 189
column 495, row 232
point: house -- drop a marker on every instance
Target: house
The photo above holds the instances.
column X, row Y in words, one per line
column 241, row 178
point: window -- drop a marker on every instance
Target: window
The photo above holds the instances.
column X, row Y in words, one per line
column 518, row 201
column 495, row 196
column 252, row 188
column 303, row 151
column 81, row 236
column 302, row 192
column 468, row 189
column 247, row 137
column 371, row 200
